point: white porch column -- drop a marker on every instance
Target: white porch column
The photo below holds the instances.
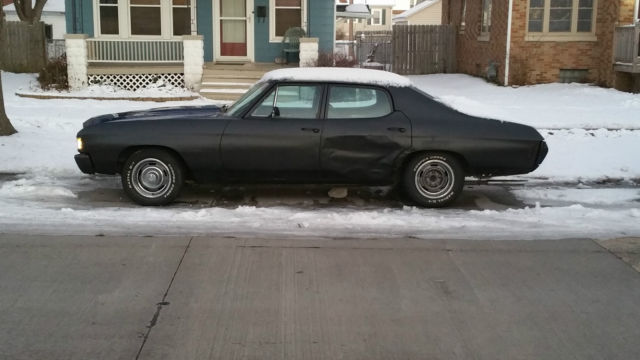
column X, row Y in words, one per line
column 193, row 46
column 77, row 62
column 308, row 52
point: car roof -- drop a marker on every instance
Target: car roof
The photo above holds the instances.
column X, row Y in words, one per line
column 338, row 75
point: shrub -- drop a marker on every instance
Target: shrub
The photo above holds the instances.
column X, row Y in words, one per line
column 54, row 74
column 329, row 59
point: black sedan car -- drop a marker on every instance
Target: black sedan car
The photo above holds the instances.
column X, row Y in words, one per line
column 309, row 125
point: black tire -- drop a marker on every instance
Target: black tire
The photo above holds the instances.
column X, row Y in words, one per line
column 433, row 179
column 152, row 177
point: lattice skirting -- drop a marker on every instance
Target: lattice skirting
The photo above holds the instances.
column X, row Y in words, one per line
column 134, row 82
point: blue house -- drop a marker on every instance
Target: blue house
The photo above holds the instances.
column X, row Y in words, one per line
column 233, row 30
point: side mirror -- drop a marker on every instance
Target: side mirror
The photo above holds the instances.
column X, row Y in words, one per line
column 275, row 112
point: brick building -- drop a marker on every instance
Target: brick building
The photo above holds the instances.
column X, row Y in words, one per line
column 548, row 40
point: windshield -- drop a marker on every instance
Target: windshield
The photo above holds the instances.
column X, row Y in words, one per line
column 248, row 97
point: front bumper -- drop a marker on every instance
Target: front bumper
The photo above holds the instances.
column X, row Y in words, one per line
column 84, row 163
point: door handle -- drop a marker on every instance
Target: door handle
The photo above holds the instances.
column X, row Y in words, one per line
column 314, row 130
column 398, row 129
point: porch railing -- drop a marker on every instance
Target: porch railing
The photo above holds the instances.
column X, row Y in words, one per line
column 146, row 51
column 627, row 44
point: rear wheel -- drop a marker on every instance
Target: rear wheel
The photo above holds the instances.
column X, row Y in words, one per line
column 433, row 179
column 152, row 177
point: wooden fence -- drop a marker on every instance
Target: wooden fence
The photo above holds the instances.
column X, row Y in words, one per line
column 424, row 49
column 25, row 47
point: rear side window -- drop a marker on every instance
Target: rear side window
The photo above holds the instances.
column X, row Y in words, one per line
column 352, row 102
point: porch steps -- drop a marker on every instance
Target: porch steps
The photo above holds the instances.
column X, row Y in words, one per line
column 230, row 81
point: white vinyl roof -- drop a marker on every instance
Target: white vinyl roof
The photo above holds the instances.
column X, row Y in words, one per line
column 329, row 74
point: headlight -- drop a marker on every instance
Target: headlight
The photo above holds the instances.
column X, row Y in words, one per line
column 80, row 144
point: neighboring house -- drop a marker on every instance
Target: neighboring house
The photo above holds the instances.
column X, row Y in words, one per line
column 427, row 12
column 232, row 30
column 53, row 15
column 380, row 19
column 548, row 40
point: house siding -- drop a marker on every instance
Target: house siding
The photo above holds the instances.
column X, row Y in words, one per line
column 204, row 22
column 79, row 16
column 429, row 16
column 320, row 24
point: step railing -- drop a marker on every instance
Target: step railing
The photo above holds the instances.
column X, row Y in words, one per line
column 138, row 51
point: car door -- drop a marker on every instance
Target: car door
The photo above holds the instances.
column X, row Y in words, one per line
column 279, row 138
column 363, row 135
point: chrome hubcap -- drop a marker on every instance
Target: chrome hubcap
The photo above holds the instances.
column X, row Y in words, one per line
column 434, row 179
column 151, row 178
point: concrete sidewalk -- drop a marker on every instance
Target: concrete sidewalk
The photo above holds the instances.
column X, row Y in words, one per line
column 224, row 298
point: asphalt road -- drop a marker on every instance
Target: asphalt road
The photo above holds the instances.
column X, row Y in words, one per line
column 232, row 298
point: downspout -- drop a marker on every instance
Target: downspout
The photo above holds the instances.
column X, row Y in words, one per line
column 508, row 52
column 194, row 17
column 636, row 14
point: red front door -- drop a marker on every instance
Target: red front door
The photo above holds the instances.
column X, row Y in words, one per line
column 233, row 28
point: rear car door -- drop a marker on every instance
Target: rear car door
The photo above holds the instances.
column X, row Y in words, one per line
column 363, row 135
column 279, row 138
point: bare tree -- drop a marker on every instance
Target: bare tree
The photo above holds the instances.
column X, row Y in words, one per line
column 5, row 125
column 27, row 11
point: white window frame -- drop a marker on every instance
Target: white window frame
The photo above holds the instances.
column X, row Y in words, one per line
column 124, row 22
column 487, row 7
column 373, row 18
column 573, row 35
column 272, row 19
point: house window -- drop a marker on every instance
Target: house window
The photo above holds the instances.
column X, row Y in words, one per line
column 556, row 19
column 108, row 17
column 486, row 17
column 181, row 16
column 145, row 17
column 286, row 14
column 379, row 17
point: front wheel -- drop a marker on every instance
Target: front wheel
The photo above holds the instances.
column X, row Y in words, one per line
column 433, row 179
column 152, row 177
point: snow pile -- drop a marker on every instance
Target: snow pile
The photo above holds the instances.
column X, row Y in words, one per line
column 159, row 89
column 362, row 76
column 583, row 195
column 548, row 106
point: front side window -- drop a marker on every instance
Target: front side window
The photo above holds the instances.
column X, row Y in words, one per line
column 561, row 17
column 291, row 102
column 247, row 98
column 351, row 102
column 145, row 17
column 486, row 16
column 108, row 17
column 287, row 14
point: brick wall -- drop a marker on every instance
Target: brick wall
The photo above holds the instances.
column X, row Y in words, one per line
column 474, row 56
column 533, row 62
column 541, row 61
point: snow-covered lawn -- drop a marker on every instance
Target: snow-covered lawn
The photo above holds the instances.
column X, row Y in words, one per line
column 593, row 134
column 548, row 106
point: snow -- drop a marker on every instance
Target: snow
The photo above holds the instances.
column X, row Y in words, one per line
column 580, row 196
column 159, row 89
column 362, row 76
column 587, row 145
column 50, row 5
column 548, row 106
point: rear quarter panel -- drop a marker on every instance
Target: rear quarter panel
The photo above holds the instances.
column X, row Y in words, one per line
column 488, row 147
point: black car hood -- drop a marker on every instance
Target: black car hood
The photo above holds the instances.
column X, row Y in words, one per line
column 156, row 114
